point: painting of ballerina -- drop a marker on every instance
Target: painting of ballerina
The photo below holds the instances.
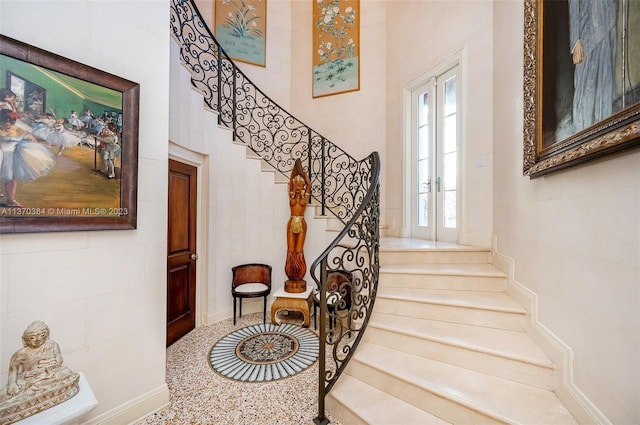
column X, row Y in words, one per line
column 240, row 26
column 336, row 44
column 66, row 144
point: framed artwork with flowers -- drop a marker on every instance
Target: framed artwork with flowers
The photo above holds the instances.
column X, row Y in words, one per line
column 336, row 47
column 240, row 26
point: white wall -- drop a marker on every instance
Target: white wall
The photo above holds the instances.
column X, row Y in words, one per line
column 574, row 237
column 103, row 294
column 422, row 35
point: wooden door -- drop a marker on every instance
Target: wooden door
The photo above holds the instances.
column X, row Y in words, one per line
column 181, row 251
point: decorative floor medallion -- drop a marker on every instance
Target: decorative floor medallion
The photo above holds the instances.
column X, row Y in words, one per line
column 264, row 352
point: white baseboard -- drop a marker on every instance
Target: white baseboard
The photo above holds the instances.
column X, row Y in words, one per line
column 582, row 409
column 135, row 409
column 248, row 306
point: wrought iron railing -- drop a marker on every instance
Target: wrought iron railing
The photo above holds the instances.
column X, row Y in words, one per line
column 342, row 186
column 356, row 252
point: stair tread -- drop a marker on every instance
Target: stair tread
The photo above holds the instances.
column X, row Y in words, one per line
column 478, row 269
column 489, row 300
column 378, row 407
column 392, row 244
column 495, row 396
column 502, row 342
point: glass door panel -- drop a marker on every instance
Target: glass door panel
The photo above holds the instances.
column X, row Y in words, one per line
column 435, row 156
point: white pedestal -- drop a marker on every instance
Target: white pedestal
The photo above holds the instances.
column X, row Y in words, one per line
column 304, row 295
column 68, row 412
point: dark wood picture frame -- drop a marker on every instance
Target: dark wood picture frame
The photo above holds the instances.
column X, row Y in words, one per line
column 76, row 210
column 550, row 145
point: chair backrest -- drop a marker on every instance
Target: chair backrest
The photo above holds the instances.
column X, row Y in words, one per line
column 251, row 273
column 335, row 281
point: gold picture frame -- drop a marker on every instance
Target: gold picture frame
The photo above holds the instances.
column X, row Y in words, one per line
column 558, row 133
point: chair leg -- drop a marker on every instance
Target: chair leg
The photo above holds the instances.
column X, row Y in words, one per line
column 240, row 299
column 264, row 311
column 234, row 311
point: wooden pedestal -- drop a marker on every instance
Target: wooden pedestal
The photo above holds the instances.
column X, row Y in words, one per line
column 300, row 302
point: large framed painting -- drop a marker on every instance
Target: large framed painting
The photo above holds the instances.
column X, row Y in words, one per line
column 336, row 47
column 240, row 26
column 68, row 144
column 581, row 81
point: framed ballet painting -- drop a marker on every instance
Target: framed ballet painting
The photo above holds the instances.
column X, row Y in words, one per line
column 68, row 144
column 240, row 26
column 581, row 81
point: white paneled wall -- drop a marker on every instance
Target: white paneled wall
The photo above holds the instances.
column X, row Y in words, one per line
column 103, row 294
column 574, row 238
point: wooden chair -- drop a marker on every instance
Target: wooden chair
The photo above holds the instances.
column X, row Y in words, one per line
column 250, row 281
column 335, row 281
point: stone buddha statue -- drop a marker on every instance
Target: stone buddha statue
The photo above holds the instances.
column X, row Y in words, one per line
column 37, row 379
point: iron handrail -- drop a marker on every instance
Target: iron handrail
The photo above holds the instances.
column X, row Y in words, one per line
column 347, row 188
column 355, row 251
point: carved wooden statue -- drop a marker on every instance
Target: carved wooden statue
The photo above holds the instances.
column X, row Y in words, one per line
column 299, row 193
column 37, row 380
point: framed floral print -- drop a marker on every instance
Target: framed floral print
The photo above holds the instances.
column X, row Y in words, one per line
column 240, row 26
column 336, row 47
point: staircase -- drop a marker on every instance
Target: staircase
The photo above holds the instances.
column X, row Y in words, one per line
column 445, row 344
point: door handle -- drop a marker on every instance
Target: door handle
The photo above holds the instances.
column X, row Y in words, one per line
column 194, row 256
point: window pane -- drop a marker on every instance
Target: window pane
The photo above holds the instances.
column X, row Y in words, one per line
column 423, row 142
column 450, row 134
column 450, row 96
column 423, row 109
column 423, row 176
column 423, row 210
column 450, row 171
column 450, row 208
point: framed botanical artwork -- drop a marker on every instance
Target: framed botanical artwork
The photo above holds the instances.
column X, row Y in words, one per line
column 240, row 26
column 68, row 144
column 581, row 81
column 336, row 47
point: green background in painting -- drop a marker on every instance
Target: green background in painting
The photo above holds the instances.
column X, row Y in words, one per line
column 247, row 49
column 60, row 97
column 332, row 78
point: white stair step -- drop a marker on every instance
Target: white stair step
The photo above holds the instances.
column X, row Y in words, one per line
column 455, row 394
column 445, row 255
column 479, row 277
column 353, row 402
column 504, row 353
column 480, row 308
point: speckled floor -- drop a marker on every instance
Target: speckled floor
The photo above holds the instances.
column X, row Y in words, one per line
column 199, row 396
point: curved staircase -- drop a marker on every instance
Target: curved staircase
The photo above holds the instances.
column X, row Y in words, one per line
column 445, row 344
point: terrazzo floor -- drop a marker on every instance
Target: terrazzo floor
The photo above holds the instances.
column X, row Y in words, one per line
column 199, row 396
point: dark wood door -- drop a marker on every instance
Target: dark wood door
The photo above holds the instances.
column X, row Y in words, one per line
column 181, row 251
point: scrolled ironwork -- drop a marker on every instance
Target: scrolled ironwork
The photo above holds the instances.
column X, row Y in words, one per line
column 339, row 182
column 344, row 187
column 355, row 251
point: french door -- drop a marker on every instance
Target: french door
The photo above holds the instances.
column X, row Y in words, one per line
column 435, row 158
